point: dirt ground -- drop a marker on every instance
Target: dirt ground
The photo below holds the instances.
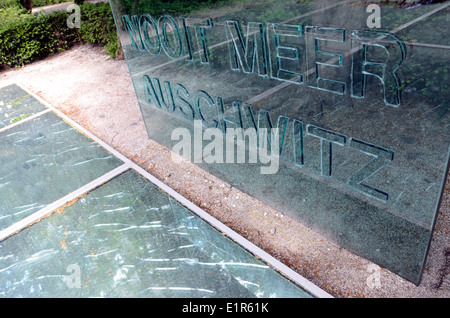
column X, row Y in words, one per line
column 98, row 94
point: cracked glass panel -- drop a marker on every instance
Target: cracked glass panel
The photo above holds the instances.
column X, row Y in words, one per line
column 42, row 160
column 128, row 238
column 361, row 111
column 16, row 104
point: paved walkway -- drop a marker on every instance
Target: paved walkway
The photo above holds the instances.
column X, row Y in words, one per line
column 60, row 6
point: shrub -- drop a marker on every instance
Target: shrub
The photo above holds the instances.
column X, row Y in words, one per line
column 28, row 38
column 97, row 24
column 158, row 7
column 98, row 27
column 11, row 11
column 25, row 38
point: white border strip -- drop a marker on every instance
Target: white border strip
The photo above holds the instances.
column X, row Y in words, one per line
column 49, row 209
column 78, row 127
column 288, row 272
column 25, row 120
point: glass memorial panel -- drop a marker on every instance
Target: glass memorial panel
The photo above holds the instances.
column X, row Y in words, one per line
column 334, row 112
column 128, row 238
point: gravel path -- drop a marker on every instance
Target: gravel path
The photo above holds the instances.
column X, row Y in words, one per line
column 60, row 6
column 98, row 94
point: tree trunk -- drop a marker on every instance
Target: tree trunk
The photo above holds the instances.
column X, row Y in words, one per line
column 27, row 4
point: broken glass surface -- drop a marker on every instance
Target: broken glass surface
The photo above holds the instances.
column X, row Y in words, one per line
column 42, row 160
column 362, row 112
column 128, row 238
column 16, row 104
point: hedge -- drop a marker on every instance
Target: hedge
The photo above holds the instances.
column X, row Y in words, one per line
column 25, row 38
column 171, row 7
column 35, row 38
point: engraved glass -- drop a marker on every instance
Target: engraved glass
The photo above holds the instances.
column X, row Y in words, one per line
column 351, row 112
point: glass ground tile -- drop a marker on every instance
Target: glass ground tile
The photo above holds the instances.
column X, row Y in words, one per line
column 349, row 102
column 16, row 104
column 128, row 238
column 42, row 160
